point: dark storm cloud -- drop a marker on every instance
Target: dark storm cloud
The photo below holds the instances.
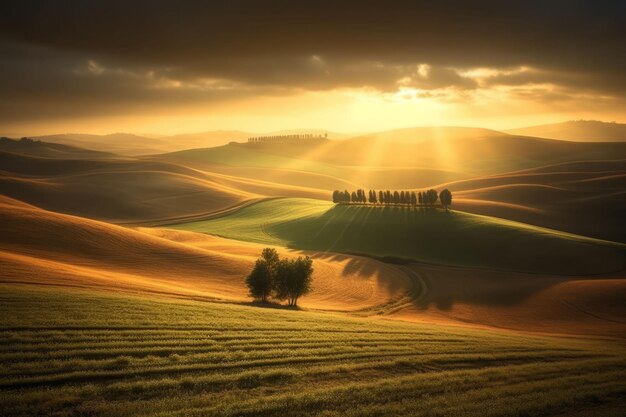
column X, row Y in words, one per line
column 283, row 46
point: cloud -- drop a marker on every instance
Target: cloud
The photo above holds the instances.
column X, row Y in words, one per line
column 115, row 55
column 429, row 78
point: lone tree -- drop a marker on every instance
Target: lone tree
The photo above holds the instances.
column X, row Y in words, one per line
column 293, row 279
column 284, row 279
column 260, row 282
column 445, row 196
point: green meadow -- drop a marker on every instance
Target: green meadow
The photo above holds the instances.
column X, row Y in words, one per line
column 84, row 353
column 430, row 235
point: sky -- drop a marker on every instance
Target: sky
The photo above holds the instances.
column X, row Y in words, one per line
column 167, row 67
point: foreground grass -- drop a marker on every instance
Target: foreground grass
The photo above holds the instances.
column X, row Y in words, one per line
column 453, row 238
column 73, row 352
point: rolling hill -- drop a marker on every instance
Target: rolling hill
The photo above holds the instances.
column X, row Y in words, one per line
column 119, row 143
column 586, row 198
column 117, row 190
column 545, row 303
column 456, row 152
column 577, row 130
column 132, row 145
column 131, row 190
column 45, row 248
column 30, row 147
column 451, row 238
column 299, row 167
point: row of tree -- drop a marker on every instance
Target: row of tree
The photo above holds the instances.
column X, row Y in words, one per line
column 422, row 198
column 299, row 138
column 282, row 279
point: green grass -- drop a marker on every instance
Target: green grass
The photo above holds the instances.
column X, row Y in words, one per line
column 79, row 353
column 436, row 236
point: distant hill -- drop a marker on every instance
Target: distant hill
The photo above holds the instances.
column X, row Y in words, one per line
column 131, row 190
column 331, row 135
column 204, row 139
column 31, row 147
column 133, row 145
column 429, row 133
column 577, row 131
column 450, row 149
column 120, row 143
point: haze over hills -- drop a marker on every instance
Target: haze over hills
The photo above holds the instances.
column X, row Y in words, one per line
column 44, row 149
column 454, row 150
column 329, row 134
column 130, row 144
column 133, row 145
column 577, row 130
column 243, row 171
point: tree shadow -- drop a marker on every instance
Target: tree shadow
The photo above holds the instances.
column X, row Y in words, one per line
column 269, row 304
column 446, row 286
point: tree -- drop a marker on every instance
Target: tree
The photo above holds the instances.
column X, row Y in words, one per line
column 373, row 197
column 420, row 198
column 396, row 197
column 445, row 196
column 431, row 197
column 293, row 279
column 413, row 199
column 353, row 197
column 336, row 196
column 381, row 197
column 270, row 256
column 260, row 282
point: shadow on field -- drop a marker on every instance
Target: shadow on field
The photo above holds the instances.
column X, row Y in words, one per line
column 269, row 304
column 364, row 267
column 446, row 286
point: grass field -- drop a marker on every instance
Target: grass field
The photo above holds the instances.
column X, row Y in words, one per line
column 453, row 238
column 78, row 353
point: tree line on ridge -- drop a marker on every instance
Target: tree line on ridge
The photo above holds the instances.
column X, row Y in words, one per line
column 422, row 198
